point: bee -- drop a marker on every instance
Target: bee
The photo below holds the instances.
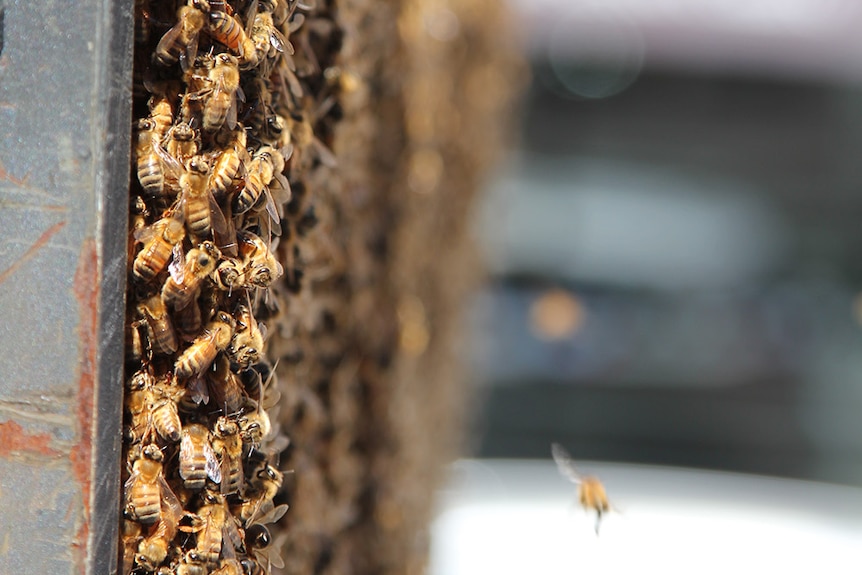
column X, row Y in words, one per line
column 134, row 341
column 215, row 527
column 182, row 142
column 188, row 321
column 591, row 492
column 161, row 114
column 226, row 29
column 225, row 386
column 131, row 536
column 220, row 107
column 227, row 164
column 227, row 443
column 197, row 458
column 159, row 241
column 247, row 344
column 229, row 567
column 151, row 175
column 146, row 487
column 266, row 165
column 153, row 549
column 162, row 405
column 258, row 505
column 181, row 41
column 268, row 41
column 260, row 267
column 162, row 337
column 196, row 358
column 192, row 563
column 187, row 274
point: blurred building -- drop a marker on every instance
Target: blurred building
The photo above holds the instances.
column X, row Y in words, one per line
column 674, row 245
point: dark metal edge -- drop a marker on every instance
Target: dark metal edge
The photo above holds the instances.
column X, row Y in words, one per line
column 112, row 183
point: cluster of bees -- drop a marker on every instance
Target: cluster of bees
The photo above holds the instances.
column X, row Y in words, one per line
column 221, row 132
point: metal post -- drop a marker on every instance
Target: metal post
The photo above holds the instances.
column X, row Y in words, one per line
column 65, row 109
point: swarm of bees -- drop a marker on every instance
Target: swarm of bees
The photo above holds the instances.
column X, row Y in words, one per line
column 221, row 134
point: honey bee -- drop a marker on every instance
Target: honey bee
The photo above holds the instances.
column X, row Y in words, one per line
column 260, row 267
column 149, row 167
column 215, row 527
column 162, row 405
column 266, row 165
column 226, row 29
column 229, row 567
column 187, row 274
column 146, row 487
column 268, row 41
column 227, row 444
column 159, row 241
column 161, row 114
column 591, row 492
column 258, row 504
column 182, row 142
column 192, row 563
column 131, row 536
column 181, row 41
column 220, row 107
column 162, row 337
column 188, row 321
column 225, row 386
column 228, row 163
column 197, row 358
column 153, row 549
column 247, row 344
column 197, row 458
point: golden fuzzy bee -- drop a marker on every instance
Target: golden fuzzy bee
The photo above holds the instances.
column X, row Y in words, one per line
column 220, row 106
column 160, row 331
column 266, row 165
column 226, row 29
column 260, row 267
column 258, row 506
column 197, row 458
column 159, row 241
column 146, row 487
column 227, row 164
column 196, row 358
column 192, row 563
column 151, row 175
column 268, row 40
column 227, row 444
column 187, row 274
column 246, row 346
column 181, row 142
column 591, row 492
column 153, row 406
column 181, row 41
column 153, row 549
column 215, row 527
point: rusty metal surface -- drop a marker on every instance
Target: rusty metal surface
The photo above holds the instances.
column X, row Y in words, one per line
column 64, row 163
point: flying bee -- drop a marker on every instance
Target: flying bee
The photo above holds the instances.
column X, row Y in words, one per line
column 197, row 458
column 246, row 346
column 187, row 274
column 181, row 41
column 225, row 386
column 146, row 487
column 266, row 165
column 153, row 549
column 227, row 444
column 226, row 29
column 197, row 358
column 162, row 337
column 159, row 241
column 591, row 492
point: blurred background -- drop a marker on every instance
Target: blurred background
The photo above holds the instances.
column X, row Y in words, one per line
column 674, row 243
column 675, row 262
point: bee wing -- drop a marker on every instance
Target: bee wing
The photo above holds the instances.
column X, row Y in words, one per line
column 230, row 119
column 187, row 448
column 223, row 231
column 177, row 265
column 565, row 464
column 144, row 234
column 172, row 166
column 198, row 391
column 169, row 38
column 296, row 23
column 278, row 41
column 272, row 514
column 170, row 499
column 187, row 58
column 282, row 190
column 212, row 465
column 250, row 15
column 327, row 158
